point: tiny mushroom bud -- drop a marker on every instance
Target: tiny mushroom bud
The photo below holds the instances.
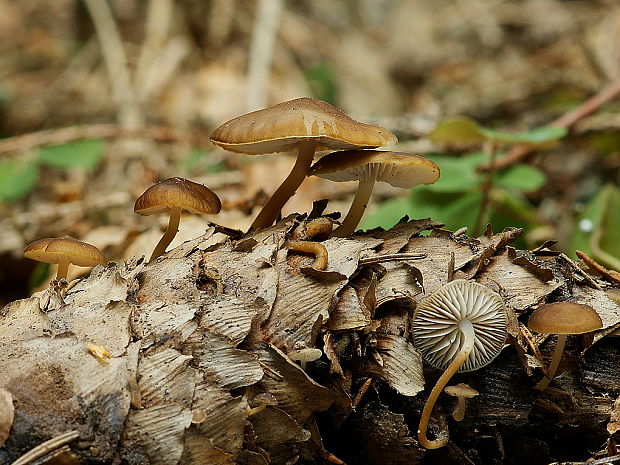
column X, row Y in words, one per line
column 175, row 195
column 399, row 169
column 305, row 355
column 462, row 391
column 304, row 124
column 562, row 318
column 460, row 327
column 64, row 251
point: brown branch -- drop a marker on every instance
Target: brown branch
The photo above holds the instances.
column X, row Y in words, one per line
column 567, row 120
column 32, row 140
column 611, row 275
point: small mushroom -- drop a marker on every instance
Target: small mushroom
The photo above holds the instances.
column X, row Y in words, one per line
column 562, row 318
column 264, row 399
column 399, row 169
column 460, row 327
column 304, row 355
column 64, row 251
column 175, row 195
column 462, row 391
column 304, row 124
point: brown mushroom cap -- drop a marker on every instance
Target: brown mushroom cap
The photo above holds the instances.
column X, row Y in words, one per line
column 177, row 192
column 564, row 318
column 461, row 390
column 53, row 250
column 399, row 169
column 281, row 127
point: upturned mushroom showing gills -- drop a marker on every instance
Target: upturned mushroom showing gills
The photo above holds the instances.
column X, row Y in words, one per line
column 399, row 169
column 562, row 318
column 460, row 327
column 175, row 195
column 64, row 251
column 304, row 124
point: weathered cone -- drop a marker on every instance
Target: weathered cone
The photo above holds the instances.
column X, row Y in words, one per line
column 199, row 336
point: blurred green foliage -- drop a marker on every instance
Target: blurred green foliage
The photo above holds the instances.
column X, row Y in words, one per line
column 322, row 82
column 19, row 177
column 458, row 197
column 598, row 229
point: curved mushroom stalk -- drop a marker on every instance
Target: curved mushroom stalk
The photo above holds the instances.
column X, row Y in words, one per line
column 467, row 331
column 315, row 248
column 358, row 207
column 171, row 231
column 555, row 362
column 287, row 189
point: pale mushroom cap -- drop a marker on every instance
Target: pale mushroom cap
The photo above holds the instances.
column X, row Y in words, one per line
column 399, row 169
column 461, row 390
column 564, row 318
column 177, row 192
column 279, row 128
column 305, row 355
column 51, row 250
column 436, row 320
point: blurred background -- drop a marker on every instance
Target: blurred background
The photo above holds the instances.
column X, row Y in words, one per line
column 100, row 99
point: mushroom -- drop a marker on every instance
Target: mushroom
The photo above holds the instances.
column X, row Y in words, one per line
column 462, row 391
column 175, row 195
column 562, row 318
column 64, row 251
column 460, row 327
column 263, row 399
column 304, row 124
column 368, row 166
column 304, row 355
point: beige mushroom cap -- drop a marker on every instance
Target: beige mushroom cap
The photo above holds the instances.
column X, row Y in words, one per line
column 177, row 192
column 53, row 250
column 279, row 128
column 437, row 319
column 399, row 169
column 461, row 390
column 564, row 318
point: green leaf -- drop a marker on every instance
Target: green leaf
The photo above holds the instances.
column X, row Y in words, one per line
column 460, row 130
column 605, row 240
column 533, row 137
column 458, row 174
column 521, row 177
column 17, row 178
column 598, row 228
column 85, row 154
column 462, row 212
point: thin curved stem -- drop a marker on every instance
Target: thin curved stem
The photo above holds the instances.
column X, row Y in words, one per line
column 358, row 207
column 442, row 439
column 555, row 362
column 287, row 189
column 316, row 248
column 459, row 412
column 166, row 239
column 63, row 268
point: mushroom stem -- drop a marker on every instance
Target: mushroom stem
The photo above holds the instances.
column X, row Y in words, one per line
column 555, row 362
column 358, row 207
column 468, row 344
column 63, row 268
column 166, row 239
column 315, row 248
column 287, row 189
column 459, row 412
